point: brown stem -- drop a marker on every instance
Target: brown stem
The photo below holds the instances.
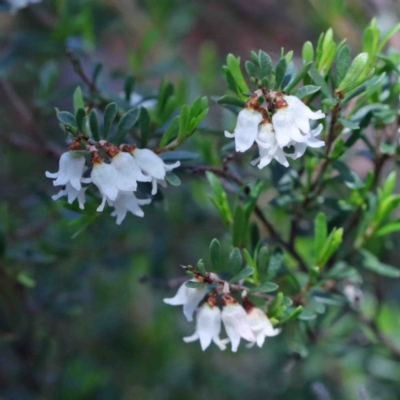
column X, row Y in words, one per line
column 76, row 64
column 209, row 278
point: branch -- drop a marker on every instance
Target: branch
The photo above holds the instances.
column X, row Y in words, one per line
column 76, row 64
column 275, row 235
column 213, row 278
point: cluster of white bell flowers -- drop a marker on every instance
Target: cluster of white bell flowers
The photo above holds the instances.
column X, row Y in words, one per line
column 279, row 122
column 116, row 180
column 240, row 321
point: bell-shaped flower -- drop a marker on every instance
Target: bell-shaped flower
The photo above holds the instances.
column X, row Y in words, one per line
column 260, row 325
column 106, row 178
column 71, row 168
column 236, row 322
column 208, row 325
column 153, row 165
column 72, row 194
column 127, row 168
column 291, row 121
column 125, row 202
column 268, row 147
column 187, row 297
column 312, row 141
column 246, row 129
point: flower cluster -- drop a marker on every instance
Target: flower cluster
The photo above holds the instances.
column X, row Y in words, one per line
column 279, row 122
column 116, row 180
column 240, row 321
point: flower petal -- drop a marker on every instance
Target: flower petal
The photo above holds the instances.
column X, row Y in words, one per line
column 246, row 129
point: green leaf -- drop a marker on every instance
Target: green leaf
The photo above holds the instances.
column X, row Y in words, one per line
column 26, row 280
column 275, row 262
column 332, row 243
column 307, row 315
column 387, row 36
column 265, row 63
column 326, row 53
column 172, row 179
column 221, row 200
column 306, row 91
column 339, row 148
column 354, row 73
column 183, row 122
column 342, row 63
column 370, row 39
column 243, row 274
column 200, row 268
column 170, row 132
column 280, row 72
column 348, row 124
column 330, row 102
column 250, row 68
column 231, row 100
column 321, row 233
column 389, row 185
column 239, row 227
column 235, row 260
column 195, row 285
column 293, row 315
column 67, row 118
column 372, row 263
column 144, row 126
column 303, row 72
column 391, row 227
column 81, row 120
column 252, row 198
column 308, row 52
column 234, row 68
column 78, row 99
column 265, row 287
column 319, row 81
column 128, row 87
column 126, row 123
column 275, row 304
column 94, row 125
column 262, row 259
column 215, row 253
column 110, row 113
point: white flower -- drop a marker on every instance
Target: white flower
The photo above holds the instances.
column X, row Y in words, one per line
column 153, row 165
column 268, row 147
column 187, row 297
column 106, row 178
column 128, row 171
column 292, row 123
column 300, row 148
column 246, row 129
column 208, row 326
column 71, row 167
column 236, row 322
column 18, row 4
column 128, row 202
column 72, row 194
column 260, row 325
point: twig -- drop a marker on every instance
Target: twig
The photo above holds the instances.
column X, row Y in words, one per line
column 228, row 174
column 76, row 64
column 213, row 278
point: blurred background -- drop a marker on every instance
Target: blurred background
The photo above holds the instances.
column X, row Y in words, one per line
column 82, row 315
